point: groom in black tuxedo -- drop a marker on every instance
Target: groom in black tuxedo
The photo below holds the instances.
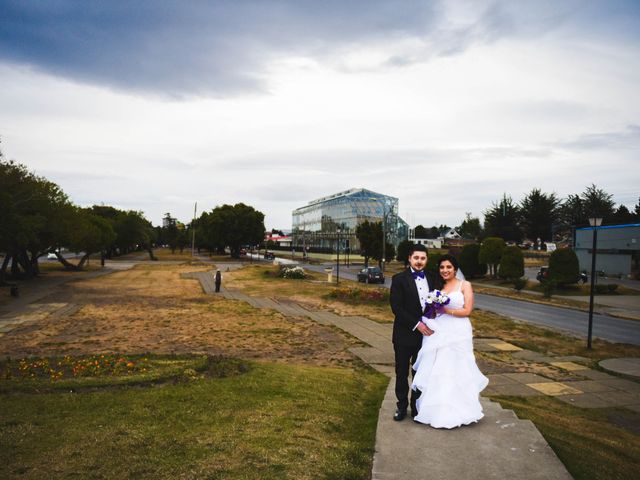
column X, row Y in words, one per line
column 408, row 296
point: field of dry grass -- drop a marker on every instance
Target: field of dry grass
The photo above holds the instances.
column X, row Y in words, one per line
column 151, row 309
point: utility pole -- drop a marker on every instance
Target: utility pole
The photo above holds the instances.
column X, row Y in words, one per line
column 193, row 230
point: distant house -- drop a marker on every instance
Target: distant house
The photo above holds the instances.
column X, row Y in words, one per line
column 617, row 250
column 283, row 241
column 451, row 234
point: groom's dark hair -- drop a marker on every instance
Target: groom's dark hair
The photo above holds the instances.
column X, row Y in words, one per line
column 417, row 247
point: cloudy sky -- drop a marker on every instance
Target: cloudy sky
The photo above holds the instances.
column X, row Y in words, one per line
column 154, row 105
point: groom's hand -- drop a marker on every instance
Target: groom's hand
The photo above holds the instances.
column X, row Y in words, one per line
column 423, row 329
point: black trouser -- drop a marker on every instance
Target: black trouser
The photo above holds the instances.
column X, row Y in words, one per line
column 405, row 357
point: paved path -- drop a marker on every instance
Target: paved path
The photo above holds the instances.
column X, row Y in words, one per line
column 499, row 446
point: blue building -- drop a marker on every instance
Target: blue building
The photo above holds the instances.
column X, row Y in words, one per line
column 321, row 223
column 617, row 249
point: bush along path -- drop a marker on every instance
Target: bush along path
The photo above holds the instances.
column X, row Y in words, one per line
column 499, row 446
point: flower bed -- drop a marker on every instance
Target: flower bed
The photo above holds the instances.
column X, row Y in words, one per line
column 72, row 367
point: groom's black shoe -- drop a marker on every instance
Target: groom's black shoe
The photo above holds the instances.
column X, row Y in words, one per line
column 400, row 414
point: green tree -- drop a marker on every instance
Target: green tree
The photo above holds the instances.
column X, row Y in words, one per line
column 490, row 253
column 470, row 263
column 622, row 216
column 501, row 220
column 420, row 232
column 572, row 212
column 596, row 202
column 403, row 251
column 511, row 264
column 88, row 233
column 31, row 209
column 234, row 226
column 470, row 228
column 564, row 268
column 369, row 238
column 539, row 212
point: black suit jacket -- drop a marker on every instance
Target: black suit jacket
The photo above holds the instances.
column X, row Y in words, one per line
column 406, row 307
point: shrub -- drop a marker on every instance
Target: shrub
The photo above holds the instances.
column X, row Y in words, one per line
column 612, row 287
column 563, row 266
column 491, row 253
column 360, row 295
column 470, row 263
column 600, row 289
column 519, row 283
column 511, row 264
column 432, row 263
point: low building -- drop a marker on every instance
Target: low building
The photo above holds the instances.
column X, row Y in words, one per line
column 617, row 249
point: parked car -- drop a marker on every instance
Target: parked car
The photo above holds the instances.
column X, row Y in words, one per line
column 269, row 255
column 543, row 274
column 371, row 275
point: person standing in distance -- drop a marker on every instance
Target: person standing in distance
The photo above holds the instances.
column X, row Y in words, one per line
column 408, row 298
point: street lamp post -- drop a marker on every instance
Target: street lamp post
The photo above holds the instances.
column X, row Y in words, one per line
column 338, row 257
column 595, row 222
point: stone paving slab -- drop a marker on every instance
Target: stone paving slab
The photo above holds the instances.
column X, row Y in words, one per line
column 501, row 379
column 585, row 400
column 572, row 358
column 596, row 375
column 505, row 347
column 554, row 388
column 516, row 389
column 373, row 355
column 525, row 377
column 589, row 386
column 622, row 384
column 569, row 366
column 532, row 356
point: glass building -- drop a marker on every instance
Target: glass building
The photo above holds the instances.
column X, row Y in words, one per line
column 319, row 224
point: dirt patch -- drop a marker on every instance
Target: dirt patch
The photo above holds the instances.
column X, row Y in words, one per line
column 151, row 309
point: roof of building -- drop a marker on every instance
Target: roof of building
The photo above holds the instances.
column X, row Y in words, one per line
column 629, row 225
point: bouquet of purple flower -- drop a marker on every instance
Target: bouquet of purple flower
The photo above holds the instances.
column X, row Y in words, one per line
column 436, row 300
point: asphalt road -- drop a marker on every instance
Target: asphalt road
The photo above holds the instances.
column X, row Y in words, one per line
column 571, row 321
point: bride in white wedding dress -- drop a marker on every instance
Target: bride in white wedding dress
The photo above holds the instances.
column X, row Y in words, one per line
column 446, row 370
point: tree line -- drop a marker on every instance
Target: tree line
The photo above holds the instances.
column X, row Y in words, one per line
column 37, row 218
column 540, row 215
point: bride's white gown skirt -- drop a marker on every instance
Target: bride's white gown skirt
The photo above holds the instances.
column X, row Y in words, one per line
column 447, row 376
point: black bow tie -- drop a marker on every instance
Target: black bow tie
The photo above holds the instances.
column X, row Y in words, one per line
column 418, row 274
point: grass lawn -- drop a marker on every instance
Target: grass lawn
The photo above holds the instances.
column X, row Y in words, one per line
column 275, row 421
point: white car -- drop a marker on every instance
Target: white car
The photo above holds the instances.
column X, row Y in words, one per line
column 52, row 256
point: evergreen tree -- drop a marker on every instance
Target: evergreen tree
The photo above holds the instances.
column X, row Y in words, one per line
column 501, row 220
column 538, row 213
